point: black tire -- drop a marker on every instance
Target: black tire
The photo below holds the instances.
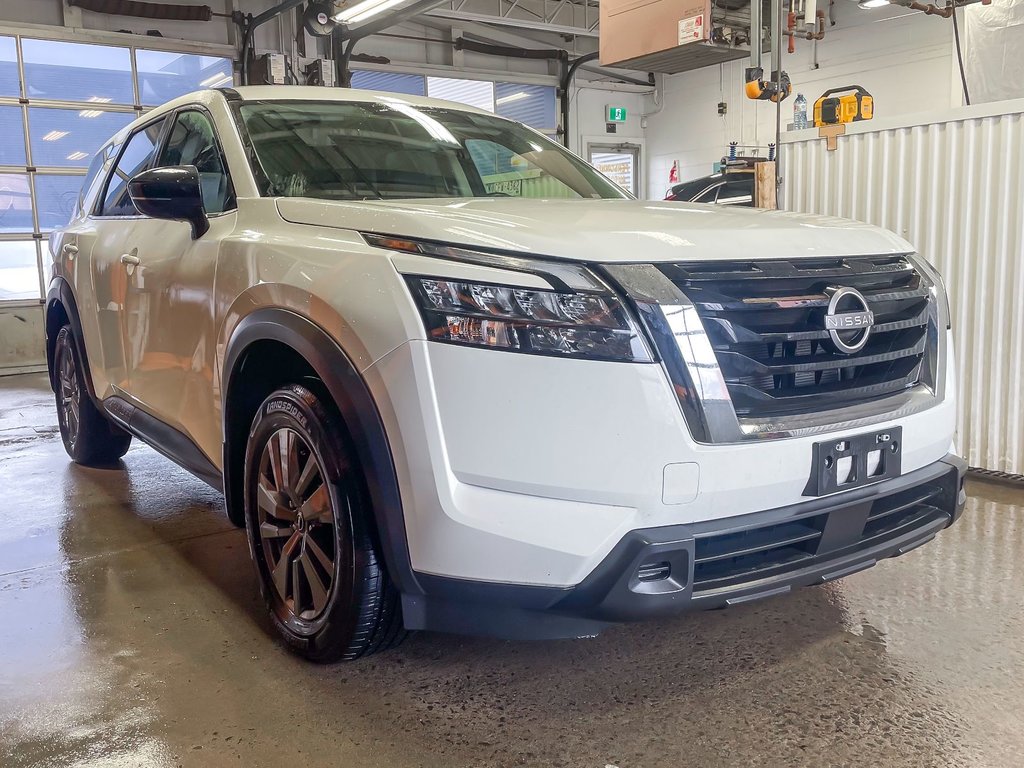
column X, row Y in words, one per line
column 90, row 438
column 307, row 518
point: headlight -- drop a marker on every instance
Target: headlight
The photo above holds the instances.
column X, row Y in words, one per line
column 586, row 325
column 581, row 317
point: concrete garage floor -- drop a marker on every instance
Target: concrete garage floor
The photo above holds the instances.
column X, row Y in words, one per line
column 131, row 635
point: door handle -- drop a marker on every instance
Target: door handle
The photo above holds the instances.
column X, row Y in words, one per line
column 132, row 261
column 70, row 250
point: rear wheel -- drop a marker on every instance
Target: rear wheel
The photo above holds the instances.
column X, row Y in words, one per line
column 308, row 524
column 89, row 437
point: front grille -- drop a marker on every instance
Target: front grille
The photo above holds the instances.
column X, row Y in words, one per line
column 766, row 323
column 730, row 561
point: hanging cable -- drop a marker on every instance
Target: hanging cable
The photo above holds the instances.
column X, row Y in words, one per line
column 960, row 57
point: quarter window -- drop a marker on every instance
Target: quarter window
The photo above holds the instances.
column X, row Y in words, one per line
column 193, row 142
column 137, row 157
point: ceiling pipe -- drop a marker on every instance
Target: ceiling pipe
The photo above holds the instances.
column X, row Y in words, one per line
column 509, row 51
column 349, row 36
column 248, row 23
column 567, row 75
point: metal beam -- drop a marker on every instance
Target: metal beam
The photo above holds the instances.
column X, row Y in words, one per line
column 538, row 25
column 488, row 33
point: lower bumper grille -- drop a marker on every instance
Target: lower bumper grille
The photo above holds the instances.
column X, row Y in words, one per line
column 737, row 559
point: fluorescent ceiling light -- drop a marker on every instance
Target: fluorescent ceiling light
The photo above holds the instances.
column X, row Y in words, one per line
column 873, row 3
column 55, row 135
column 77, row 155
column 94, row 112
column 364, row 10
column 218, row 78
column 517, row 96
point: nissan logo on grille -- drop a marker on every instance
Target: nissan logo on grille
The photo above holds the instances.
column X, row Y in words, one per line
column 848, row 319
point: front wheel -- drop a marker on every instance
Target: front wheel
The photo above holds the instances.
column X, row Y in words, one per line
column 308, row 525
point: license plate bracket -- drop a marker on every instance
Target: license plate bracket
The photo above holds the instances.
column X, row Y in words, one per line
column 852, row 462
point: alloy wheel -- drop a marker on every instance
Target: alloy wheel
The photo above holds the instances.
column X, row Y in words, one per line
column 296, row 524
column 70, row 395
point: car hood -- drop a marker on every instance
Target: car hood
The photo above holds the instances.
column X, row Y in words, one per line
column 608, row 231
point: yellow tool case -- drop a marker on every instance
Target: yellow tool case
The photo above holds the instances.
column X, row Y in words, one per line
column 848, row 108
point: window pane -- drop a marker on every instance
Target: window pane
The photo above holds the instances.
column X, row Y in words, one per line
column 709, row 195
column 19, row 271
column 9, row 67
column 15, row 203
column 135, row 158
column 70, row 137
column 530, row 104
column 56, row 197
column 192, row 142
column 476, row 93
column 738, row 191
column 393, row 82
column 12, row 131
column 77, row 72
column 620, row 167
column 164, row 75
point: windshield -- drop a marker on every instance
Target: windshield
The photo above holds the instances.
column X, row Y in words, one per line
column 393, row 150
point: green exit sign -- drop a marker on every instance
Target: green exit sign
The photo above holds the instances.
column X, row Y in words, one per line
column 616, row 114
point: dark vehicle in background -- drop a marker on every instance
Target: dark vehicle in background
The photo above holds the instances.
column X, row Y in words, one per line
column 733, row 187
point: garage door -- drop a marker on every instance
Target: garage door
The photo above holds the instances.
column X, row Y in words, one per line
column 59, row 101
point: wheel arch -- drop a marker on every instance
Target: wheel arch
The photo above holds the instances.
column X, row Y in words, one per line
column 292, row 334
column 61, row 310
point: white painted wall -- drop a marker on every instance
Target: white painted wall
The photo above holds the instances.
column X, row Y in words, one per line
column 587, row 117
column 905, row 60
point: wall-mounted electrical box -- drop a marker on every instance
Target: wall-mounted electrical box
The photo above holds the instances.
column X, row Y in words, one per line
column 268, row 69
column 320, row 72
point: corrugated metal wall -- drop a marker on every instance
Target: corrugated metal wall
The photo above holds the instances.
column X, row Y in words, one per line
column 953, row 185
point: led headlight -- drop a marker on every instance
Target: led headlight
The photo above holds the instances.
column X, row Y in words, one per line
column 580, row 317
column 528, row 320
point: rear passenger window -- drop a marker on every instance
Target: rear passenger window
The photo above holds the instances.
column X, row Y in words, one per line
column 738, row 191
column 709, row 195
column 137, row 157
column 192, row 142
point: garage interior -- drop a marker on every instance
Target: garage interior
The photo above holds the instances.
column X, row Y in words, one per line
column 131, row 626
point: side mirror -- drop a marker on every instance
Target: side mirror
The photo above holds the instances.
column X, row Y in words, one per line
column 171, row 193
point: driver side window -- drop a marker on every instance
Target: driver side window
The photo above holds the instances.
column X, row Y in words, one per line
column 193, row 142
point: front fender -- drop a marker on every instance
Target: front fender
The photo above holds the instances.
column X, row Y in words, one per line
column 357, row 408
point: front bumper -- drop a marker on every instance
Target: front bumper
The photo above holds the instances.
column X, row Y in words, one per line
column 710, row 564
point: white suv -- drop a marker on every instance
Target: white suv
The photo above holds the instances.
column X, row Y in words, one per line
column 450, row 377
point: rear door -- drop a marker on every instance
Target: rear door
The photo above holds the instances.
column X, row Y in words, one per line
column 72, row 250
column 113, row 218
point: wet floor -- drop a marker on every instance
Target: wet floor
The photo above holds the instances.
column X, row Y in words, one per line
column 131, row 635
